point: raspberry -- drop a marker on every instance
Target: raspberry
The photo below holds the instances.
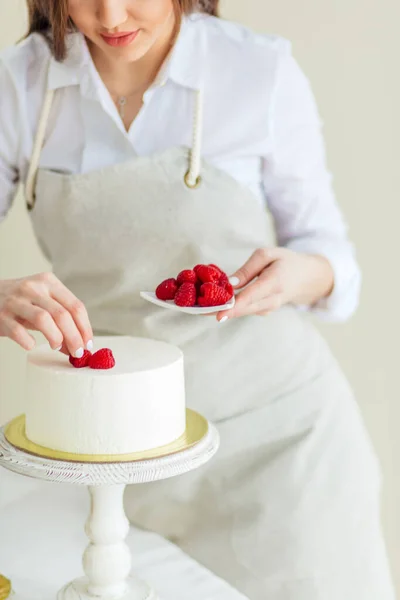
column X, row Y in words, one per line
column 79, row 363
column 102, row 359
column 213, row 295
column 217, row 268
column 187, row 276
column 186, row 295
column 223, row 280
column 167, row 289
column 208, row 273
column 229, row 289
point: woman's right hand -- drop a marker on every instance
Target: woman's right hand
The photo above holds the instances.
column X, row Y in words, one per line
column 42, row 303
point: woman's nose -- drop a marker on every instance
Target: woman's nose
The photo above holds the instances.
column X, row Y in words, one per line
column 112, row 14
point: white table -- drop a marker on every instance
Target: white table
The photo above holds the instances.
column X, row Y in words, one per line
column 41, row 523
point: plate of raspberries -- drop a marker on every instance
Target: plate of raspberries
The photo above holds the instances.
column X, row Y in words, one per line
column 205, row 289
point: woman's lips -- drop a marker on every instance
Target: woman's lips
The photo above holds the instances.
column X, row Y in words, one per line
column 120, row 39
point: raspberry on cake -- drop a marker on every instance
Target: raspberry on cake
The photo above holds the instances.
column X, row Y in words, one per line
column 102, row 359
column 79, row 363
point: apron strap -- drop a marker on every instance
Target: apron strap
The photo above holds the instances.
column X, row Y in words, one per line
column 37, row 149
column 192, row 177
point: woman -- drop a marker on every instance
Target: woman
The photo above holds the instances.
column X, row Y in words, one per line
column 97, row 107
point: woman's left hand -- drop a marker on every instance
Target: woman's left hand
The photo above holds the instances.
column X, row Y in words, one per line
column 281, row 276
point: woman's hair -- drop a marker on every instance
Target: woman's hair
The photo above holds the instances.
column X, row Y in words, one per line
column 50, row 18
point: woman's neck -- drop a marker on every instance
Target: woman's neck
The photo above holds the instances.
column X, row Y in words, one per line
column 125, row 78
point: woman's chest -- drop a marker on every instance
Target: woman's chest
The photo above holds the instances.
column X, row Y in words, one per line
column 87, row 134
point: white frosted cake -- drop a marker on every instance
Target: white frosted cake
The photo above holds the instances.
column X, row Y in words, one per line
column 137, row 405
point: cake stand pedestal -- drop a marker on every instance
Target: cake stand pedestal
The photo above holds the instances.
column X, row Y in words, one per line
column 107, row 558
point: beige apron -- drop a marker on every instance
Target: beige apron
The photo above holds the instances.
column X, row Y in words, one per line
column 289, row 509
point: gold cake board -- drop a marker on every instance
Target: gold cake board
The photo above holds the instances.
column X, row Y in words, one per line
column 196, row 430
column 5, row 588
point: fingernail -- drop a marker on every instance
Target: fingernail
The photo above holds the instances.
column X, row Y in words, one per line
column 89, row 345
column 234, row 280
column 56, row 349
column 79, row 353
column 223, row 320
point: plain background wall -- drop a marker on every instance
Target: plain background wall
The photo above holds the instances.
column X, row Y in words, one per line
column 350, row 50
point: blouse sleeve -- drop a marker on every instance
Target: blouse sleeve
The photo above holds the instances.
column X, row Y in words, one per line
column 9, row 140
column 299, row 190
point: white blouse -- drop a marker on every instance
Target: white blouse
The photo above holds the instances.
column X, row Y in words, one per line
column 261, row 126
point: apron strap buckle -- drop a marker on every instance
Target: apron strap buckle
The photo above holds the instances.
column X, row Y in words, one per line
column 191, row 181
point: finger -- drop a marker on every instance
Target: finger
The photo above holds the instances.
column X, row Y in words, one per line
column 77, row 311
column 263, row 307
column 257, row 262
column 64, row 349
column 262, row 287
column 38, row 318
column 265, row 286
column 16, row 332
column 30, row 326
column 26, row 324
column 60, row 315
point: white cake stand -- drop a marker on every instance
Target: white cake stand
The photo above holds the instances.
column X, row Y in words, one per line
column 107, row 559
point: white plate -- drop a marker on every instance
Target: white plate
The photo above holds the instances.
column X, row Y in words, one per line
column 191, row 310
